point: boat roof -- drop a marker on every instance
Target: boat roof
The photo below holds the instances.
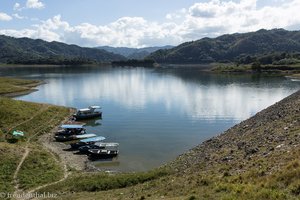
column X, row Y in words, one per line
column 93, row 139
column 84, row 109
column 86, row 136
column 95, row 107
column 108, row 144
column 71, row 126
column 89, row 108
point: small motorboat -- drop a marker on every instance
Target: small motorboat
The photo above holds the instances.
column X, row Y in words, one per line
column 102, row 153
column 108, row 152
column 87, row 113
column 71, row 129
column 97, row 145
column 88, row 141
column 65, row 138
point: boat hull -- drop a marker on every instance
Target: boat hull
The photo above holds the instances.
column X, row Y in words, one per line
column 87, row 116
column 102, row 153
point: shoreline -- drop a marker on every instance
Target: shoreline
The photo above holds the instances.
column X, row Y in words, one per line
column 60, row 149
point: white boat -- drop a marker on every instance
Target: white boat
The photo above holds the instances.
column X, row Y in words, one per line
column 86, row 113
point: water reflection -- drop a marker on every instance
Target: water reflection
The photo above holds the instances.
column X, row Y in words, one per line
column 138, row 88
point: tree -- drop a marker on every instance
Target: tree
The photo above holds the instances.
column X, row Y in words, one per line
column 256, row 66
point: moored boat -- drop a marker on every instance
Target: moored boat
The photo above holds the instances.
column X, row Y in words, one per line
column 65, row 138
column 97, row 145
column 87, row 113
column 88, row 141
column 102, row 153
column 71, row 129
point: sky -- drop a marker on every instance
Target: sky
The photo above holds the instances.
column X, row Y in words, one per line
column 137, row 23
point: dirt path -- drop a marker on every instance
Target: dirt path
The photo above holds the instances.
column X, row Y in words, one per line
column 66, row 158
column 45, row 107
column 15, row 178
column 27, row 149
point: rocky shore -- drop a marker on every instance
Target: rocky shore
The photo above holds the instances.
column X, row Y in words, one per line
column 268, row 135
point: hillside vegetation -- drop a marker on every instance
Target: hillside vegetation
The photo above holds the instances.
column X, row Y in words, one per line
column 29, row 51
column 133, row 53
column 241, row 48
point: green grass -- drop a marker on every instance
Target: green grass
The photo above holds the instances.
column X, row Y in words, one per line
column 9, row 85
column 14, row 112
column 39, row 168
column 34, row 119
column 103, row 181
column 10, row 156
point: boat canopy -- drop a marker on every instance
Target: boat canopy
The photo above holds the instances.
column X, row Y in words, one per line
column 71, row 126
column 95, row 107
column 93, row 139
column 85, row 136
column 84, row 110
column 107, row 144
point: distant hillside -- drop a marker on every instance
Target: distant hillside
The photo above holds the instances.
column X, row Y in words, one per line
column 228, row 48
column 133, row 53
column 29, row 51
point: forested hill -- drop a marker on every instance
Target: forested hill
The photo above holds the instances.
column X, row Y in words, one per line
column 233, row 47
column 133, row 53
column 30, row 51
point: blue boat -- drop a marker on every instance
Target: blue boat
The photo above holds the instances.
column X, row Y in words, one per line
column 93, row 139
column 71, row 126
column 87, row 141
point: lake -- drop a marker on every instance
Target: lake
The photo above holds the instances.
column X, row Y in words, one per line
column 155, row 114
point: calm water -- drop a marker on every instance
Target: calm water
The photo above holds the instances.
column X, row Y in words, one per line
column 154, row 114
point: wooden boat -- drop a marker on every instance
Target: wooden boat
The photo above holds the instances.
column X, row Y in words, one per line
column 87, row 113
column 88, row 141
column 97, row 145
column 65, row 138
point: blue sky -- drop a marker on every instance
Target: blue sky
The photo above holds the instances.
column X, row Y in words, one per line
column 136, row 23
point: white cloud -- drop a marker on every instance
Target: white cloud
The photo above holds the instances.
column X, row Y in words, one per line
column 30, row 4
column 17, row 16
column 211, row 18
column 36, row 4
column 17, row 6
column 5, row 17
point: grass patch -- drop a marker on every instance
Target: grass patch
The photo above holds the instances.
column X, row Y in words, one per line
column 14, row 112
column 11, row 85
column 103, row 181
column 10, row 156
column 39, row 168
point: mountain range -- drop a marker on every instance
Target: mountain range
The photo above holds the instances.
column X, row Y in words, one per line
column 25, row 50
column 231, row 47
column 133, row 53
column 242, row 47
